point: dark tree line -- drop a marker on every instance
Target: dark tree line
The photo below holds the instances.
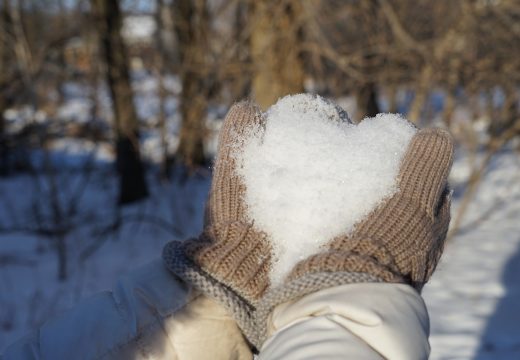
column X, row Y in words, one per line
column 128, row 162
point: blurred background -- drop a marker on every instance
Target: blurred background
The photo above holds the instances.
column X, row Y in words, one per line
column 110, row 110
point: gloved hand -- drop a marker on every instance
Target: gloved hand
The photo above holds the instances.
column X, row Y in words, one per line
column 230, row 260
column 401, row 241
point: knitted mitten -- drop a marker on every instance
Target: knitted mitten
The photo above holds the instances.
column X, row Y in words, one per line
column 400, row 241
column 230, row 260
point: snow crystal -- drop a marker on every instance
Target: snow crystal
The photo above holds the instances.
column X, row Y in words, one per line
column 311, row 175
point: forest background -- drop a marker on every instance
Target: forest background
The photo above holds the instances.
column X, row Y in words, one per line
column 110, row 110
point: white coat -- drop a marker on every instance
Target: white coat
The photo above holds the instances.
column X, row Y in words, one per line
column 151, row 314
column 356, row 321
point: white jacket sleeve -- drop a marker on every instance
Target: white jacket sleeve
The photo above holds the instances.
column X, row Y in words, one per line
column 357, row 321
column 151, row 314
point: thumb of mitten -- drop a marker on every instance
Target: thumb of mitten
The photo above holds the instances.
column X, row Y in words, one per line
column 225, row 203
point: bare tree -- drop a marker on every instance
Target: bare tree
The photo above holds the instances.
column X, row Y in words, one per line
column 162, row 16
column 367, row 91
column 4, row 66
column 129, row 166
column 191, row 26
column 276, row 34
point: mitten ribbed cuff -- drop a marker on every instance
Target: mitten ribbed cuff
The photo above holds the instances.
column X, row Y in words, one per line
column 333, row 261
column 403, row 252
column 226, row 264
column 241, row 310
column 234, row 254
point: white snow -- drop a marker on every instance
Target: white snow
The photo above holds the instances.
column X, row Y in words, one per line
column 311, row 176
column 30, row 293
column 473, row 296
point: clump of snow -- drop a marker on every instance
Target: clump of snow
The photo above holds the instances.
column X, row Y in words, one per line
column 311, row 175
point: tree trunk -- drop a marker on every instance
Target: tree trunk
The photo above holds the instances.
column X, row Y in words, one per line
column 4, row 71
column 508, row 114
column 160, row 73
column 191, row 26
column 276, row 34
column 367, row 105
column 367, row 101
column 242, row 39
column 422, row 91
column 128, row 161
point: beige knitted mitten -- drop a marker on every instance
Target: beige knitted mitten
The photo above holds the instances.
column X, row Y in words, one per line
column 400, row 241
column 230, row 261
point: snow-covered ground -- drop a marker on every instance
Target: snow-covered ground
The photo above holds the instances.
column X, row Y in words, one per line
column 102, row 242
column 473, row 297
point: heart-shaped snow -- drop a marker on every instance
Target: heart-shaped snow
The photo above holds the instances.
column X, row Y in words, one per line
column 311, row 175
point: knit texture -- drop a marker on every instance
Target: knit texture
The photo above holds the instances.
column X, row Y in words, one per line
column 400, row 241
column 230, row 260
column 403, row 239
column 243, row 312
column 230, row 249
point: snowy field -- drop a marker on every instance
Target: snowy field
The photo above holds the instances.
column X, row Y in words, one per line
column 102, row 242
column 473, row 297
